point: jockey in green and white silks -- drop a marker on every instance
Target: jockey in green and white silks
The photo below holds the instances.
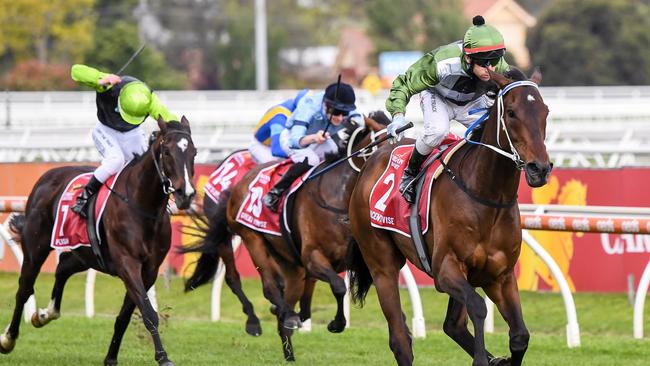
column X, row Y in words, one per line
column 447, row 80
column 123, row 103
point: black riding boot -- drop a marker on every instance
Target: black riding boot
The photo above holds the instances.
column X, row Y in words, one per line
column 90, row 189
column 272, row 199
column 415, row 163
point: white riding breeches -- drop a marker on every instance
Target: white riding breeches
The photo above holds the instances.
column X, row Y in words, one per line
column 314, row 153
column 260, row 152
column 117, row 148
column 438, row 113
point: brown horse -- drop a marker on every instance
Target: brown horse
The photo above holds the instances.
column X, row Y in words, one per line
column 474, row 237
column 317, row 246
column 136, row 233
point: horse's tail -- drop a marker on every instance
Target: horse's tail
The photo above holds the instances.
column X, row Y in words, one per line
column 360, row 278
column 16, row 225
column 213, row 234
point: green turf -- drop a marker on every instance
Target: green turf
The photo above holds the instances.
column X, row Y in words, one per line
column 190, row 339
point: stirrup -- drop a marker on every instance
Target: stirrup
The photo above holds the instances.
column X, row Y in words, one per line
column 271, row 200
column 80, row 207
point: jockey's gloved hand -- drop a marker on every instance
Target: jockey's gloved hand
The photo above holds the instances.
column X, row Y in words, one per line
column 398, row 122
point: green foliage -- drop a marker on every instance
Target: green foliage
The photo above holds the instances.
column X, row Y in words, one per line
column 414, row 25
column 114, row 45
column 599, row 42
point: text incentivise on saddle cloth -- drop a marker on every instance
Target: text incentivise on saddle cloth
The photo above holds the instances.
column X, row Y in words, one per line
column 70, row 230
column 252, row 213
column 388, row 209
column 229, row 172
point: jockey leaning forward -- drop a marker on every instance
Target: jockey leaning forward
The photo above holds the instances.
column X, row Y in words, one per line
column 265, row 145
column 311, row 133
column 123, row 103
column 448, row 80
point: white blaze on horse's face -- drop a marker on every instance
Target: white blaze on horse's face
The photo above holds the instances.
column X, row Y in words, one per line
column 530, row 98
column 182, row 144
column 188, row 184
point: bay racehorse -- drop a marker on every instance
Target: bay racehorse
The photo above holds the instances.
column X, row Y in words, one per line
column 474, row 235
column 136, row 233
column 318, row 241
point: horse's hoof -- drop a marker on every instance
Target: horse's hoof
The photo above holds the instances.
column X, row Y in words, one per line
column 36, row 321
column 500, row 361
column 336, row 326
column 254, row 328
column 166, row 363
column 110, row 362
column 6, row 344
column 292, row 322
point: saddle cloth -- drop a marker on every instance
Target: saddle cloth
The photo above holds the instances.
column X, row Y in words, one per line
column 69, row 231
column 229, row 172
column 388, row 208
column 252, row 213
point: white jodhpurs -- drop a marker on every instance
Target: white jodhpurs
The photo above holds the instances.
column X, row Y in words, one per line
column 117, row 148
column 260, row 152
column 438, row 113
column 314, row 153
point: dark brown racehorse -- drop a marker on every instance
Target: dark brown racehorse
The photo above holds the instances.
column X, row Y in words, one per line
column 136, row 233
column 318, row 244
column 474, row 237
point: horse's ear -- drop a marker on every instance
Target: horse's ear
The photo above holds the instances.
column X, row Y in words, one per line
column 185, row 123
column 501, row 80
column 162, row 124
column 371, row 123
column 536, row 77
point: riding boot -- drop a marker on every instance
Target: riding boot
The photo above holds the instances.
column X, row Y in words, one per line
column 406, row 185
column 272, row 198
column 92, row 187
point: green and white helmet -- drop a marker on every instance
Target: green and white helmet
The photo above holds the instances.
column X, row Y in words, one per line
column 482, row 41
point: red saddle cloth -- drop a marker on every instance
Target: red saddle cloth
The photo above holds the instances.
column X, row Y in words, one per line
column 69, row 231
column 388, row 208
column 252, row 213
column 231, row 171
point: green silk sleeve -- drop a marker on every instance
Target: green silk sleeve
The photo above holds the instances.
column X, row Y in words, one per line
column 88, row 76
column 420, row 76
column 158, row 109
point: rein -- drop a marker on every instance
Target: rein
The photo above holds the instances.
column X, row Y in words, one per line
column 514, row 156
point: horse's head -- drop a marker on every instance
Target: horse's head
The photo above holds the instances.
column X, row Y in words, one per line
column 174, row 155
column 524, row 114
column 348, row 126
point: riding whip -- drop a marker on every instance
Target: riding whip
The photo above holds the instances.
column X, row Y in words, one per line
column 363, row 149
column 336, row 98
column 128, row 62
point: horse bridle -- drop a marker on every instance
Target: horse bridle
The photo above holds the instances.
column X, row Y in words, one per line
column 501, row 124
column 167, row 185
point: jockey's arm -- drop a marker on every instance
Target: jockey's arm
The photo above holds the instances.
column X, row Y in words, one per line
column 158, row 109
column 420, row 76
column 89, row 76
column 276, row 147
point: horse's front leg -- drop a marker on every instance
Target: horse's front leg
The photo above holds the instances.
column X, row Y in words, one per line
column 452, row 280
column 121, row 323
column 505, row 295
column 130, row 272
column 319, row 266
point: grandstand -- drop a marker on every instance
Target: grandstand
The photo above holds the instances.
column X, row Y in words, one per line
column 588, row 126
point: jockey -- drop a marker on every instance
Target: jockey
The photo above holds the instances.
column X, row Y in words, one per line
column 123, row 103
column 447, row 79
column 265, row 145
column 307, row 136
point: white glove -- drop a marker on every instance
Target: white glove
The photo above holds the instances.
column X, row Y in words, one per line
column 398, row 122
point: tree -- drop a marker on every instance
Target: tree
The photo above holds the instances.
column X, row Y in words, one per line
column 599, row 42
column 50, row 31
column 414, row 25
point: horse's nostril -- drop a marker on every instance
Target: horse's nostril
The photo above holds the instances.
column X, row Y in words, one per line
column 533, row 167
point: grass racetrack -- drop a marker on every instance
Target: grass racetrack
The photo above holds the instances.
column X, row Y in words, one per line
column 191, row 339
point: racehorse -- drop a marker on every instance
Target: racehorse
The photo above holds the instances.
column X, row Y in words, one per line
column 136, row 233
column 474, row 234
column 318, row 241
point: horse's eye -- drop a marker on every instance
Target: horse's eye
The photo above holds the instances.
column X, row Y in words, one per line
column 510, row 113
column 166, row 152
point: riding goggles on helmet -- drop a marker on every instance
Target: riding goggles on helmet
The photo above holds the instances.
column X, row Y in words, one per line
column 485, row 62
column 338, row 112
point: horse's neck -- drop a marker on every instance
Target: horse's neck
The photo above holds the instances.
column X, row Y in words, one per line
column 144, row 184
column 490, row 175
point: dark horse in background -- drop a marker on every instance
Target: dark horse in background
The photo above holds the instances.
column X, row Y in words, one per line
column 320, row 235
column 474, row 238
column 136, row 233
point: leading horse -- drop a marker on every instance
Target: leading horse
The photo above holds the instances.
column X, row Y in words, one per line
column 474, row 235
column 136, row 233
column 316, row 247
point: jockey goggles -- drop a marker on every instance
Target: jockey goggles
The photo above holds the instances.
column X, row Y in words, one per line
column 338, row 112
column 485, row 62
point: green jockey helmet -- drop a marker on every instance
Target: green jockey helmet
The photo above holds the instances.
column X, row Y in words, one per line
column 483, row 41
column 134, row 102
